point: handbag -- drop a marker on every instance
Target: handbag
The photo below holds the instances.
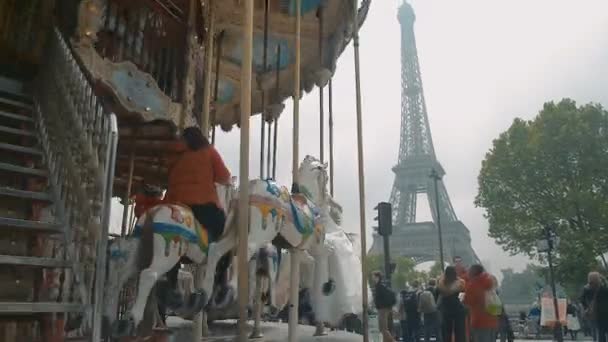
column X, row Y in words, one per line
column 493, row 303
column 590, row 311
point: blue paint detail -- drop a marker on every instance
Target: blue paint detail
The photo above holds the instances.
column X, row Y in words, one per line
column 138, row 93
column 225, row 91
column 274, row 212
column 305, row 6
column 286, row 58
column 116, row 253
column 167, row 228
column 300, row 226
column 273, row 188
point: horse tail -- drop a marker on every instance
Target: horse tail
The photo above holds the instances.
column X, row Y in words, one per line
column 146, row 244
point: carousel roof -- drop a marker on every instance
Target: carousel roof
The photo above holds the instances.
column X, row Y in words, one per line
column 326, row 29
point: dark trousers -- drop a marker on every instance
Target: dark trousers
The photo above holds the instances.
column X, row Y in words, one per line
column 602, row 331
column 213, row 219
column 454, row 324
column 410, row 330
column 432, row 326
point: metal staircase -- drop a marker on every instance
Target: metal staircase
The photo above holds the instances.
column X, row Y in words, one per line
column 57, row 156
column 20, row 146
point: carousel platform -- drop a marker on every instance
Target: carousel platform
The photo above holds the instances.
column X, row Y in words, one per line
column 225, row 331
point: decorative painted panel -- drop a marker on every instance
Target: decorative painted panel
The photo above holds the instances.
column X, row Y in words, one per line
column 236, row 53
column 306, row 6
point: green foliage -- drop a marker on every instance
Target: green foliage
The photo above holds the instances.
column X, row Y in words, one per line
column 551, row 171
column 435, row 270
column 523, row 287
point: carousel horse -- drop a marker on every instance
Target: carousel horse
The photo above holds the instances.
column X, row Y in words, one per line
column 168, row 233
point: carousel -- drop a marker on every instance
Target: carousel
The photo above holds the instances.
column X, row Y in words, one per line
column 107, row 87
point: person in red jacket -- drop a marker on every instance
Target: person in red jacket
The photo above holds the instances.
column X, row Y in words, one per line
column 483, row 324
column 194, row 170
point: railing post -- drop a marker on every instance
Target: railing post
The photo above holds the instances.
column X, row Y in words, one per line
column 102, row 244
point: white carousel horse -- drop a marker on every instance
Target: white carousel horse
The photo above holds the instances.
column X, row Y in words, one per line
column 330, row 264
column 168, row 232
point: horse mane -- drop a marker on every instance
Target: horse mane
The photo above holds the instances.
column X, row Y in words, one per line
column 335, row 211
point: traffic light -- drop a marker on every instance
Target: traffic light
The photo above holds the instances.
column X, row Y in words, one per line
column 384, row 218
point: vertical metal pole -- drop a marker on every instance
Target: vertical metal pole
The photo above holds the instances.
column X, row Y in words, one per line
column 331, row 141
column 269, row 151
column 276, row 120
column 102, row 244
column 387, row 257
column 436, row 178
column 243, row 214
column 321, row 109
column 558, row 324
column 264, row 62
column 127, row 197
column 208, row 67
column 262, row 138
column 296, row 97
column 361, row 168
column 216, row 91
column 295, row 260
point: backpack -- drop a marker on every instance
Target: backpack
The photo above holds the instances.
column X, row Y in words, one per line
column 427, row 302
column 410, row 302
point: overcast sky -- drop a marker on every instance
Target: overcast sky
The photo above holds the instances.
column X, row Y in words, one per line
column 483, row 64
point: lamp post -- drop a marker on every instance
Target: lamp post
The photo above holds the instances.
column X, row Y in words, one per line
column 546, row 245
column 436, row 177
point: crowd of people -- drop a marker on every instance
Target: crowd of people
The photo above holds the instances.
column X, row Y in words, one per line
column 448, row 309
column 463, row 305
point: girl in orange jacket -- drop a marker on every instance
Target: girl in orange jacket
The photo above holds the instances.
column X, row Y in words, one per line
column 483, row 324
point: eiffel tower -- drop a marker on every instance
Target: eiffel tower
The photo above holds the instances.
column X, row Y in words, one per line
column 416, row 161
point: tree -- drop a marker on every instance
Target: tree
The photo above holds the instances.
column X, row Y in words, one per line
column 523, row 287
column 435, row 271
column 550, row 171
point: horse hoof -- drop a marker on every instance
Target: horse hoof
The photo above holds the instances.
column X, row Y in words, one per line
column 123, row 328
column 74, row 322
column 256, row 335
column 329, row 287
column 223, row 298
column 196, row 303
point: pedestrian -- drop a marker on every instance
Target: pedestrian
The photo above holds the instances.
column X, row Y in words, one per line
column 595, row 303
column 452, row 311
column 384, row 300
column 410, row 331
column 573, row 325
column 483, row 323
column 427, row 306
column 505, row 330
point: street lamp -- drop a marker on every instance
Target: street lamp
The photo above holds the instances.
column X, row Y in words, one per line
column 547, row 244
column 436, row 177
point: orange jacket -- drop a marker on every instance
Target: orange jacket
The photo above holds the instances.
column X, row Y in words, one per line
column 475, row 299
column 193, row 174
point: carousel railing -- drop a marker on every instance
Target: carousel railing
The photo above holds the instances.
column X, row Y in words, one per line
column 150, row 35
column 78, row 137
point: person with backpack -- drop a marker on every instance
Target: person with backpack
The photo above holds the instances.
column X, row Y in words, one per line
column 427, row 306
column 384, row 300
column 410, row 326
column 595, row 304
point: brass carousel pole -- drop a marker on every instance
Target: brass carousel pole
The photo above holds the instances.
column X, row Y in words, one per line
column 331, row 140
column 318, row 291
column 216, row 86
column 276, row 120
column 200, row 320
column 295, row 260
column 127, row 198
column 208, row 69
column 361, row 173
column 243, row 214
